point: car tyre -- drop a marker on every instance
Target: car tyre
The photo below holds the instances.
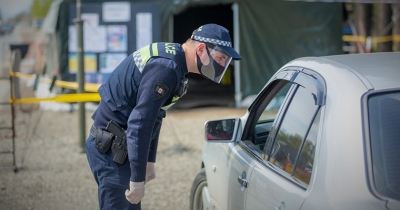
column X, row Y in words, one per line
column 196, row 198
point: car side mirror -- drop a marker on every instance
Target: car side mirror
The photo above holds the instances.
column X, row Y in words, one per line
column 221, row 131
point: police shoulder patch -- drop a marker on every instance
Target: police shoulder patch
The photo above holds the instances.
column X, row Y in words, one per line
column 160, row 90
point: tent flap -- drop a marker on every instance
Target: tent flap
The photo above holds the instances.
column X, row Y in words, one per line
column 273, row 33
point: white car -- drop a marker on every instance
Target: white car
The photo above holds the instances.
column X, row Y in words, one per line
column 324, row 133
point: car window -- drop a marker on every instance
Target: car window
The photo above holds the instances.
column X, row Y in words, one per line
column 305, row 161
column 272, row 108
column 296, row 137
column 267, row 115
column 384, row 121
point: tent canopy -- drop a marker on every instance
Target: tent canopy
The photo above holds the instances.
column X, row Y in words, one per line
column 271, row 33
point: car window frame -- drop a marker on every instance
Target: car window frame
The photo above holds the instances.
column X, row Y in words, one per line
column 260, row 103
column 280, row 79
column 302, row 79
column 307, row 78
column 367, row 141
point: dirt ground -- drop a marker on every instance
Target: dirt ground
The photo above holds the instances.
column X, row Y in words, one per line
column 54, row 174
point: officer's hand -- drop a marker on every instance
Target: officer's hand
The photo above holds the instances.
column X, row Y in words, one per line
column 150, row 172
column 135, row 193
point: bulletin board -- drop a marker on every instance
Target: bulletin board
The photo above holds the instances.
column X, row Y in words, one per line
column 111, row 32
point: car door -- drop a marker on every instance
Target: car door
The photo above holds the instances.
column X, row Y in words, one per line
column 234, row 170
column 236, row 163
column 285, row 141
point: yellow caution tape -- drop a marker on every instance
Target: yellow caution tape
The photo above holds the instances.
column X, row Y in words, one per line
column 396, row 38
column 90, row 87
column 66, row 98
column 375, row 40
column 350, row 38
column 381, row 39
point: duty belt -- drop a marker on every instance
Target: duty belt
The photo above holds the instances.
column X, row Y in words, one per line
column 93, row 131
column 114, row 137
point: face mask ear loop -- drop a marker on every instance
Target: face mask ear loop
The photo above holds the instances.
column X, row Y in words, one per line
column 208, row 53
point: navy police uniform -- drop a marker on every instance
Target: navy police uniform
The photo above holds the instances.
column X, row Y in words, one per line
column 135, row 96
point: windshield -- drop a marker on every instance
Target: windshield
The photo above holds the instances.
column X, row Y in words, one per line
column 384, row 128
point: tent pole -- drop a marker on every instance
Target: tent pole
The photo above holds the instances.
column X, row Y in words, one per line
column 238, row 93
column 80, row 74
column 171, row 28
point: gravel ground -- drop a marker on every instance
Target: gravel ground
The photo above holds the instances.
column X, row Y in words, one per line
column 54, row 174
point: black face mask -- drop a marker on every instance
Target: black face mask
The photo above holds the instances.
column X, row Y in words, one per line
column 210, row 71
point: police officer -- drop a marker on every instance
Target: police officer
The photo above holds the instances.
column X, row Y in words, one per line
column 135, row 98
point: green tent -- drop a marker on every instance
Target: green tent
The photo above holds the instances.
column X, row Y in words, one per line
column 267, row 33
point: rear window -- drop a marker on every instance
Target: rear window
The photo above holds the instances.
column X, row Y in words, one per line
column 384, row 128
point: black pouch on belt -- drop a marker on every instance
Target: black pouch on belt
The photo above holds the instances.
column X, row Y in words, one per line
column 103, row 140
column 119, row 146
column 119, row 150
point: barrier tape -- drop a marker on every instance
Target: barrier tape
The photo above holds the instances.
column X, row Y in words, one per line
column 375, row 40
column 66, row 98
column 90, row 87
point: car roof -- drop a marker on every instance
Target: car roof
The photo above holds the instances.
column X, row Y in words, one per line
column 381, row 70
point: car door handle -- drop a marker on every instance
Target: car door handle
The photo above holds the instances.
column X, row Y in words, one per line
column 242, row 179
column 281, row 206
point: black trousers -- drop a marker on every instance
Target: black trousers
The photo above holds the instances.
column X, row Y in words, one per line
column 112, row 179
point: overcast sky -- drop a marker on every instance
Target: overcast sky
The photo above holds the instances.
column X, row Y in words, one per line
column 10, row 8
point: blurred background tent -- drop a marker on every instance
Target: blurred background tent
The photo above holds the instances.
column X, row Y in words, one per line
column 268, row 34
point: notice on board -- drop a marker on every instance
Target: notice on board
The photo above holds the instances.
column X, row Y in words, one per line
column 144, row 29
column 116, row 11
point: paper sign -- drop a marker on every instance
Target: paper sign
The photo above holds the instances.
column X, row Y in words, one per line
column 117, row 39
column 90, row 62
column 91, row 19
column 109, row 61
column 116, row 11
column 94, row 37
column 72, row 39
column 144, row 29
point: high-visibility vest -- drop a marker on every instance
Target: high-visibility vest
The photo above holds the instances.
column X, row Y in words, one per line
column 120, row 95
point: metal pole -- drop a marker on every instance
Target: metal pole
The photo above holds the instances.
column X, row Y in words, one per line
column 13, row 90
column 171, row 28
column 80, row 74
column 236, row 41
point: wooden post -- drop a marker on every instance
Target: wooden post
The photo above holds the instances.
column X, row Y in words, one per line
column 384, row 14
column 363, row 14
column 396, row 26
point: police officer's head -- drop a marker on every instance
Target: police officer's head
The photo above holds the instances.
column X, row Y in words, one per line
column 214, row 51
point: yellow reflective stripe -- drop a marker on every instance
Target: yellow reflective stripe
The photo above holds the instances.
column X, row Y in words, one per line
column 145, row 54
column 174, row 100
column 168, row 106
column 155, row 49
